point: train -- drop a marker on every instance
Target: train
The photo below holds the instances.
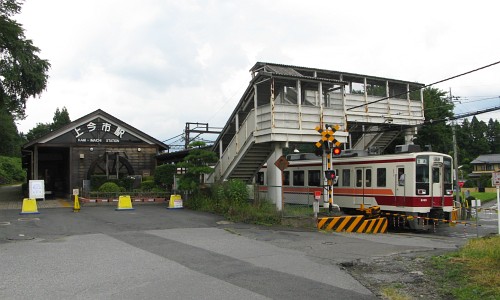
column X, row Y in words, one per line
column 411, row 187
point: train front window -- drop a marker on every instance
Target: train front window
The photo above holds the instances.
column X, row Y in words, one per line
column 436, row 175
column 314, row 178
column 422, row 171
column 298, row 178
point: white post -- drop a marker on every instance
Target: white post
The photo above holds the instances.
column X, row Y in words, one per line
column 498, row 208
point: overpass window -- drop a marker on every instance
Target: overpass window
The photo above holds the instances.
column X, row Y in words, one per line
column 314, row 178
column 298, row 178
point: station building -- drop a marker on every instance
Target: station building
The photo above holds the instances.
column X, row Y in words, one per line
column 95, row 144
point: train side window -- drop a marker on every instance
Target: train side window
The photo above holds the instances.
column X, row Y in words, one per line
column 260, row 178
column 368, row 177
column 359, row 178
column 313, row 178
column 336, row 182
column 346, row 177
column 298, row 178
column 401, row 176
column 286, row 177
column 381, row 177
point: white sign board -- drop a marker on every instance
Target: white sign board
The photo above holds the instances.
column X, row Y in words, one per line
column 37, row 189
column 76, row 192
column 495, row 178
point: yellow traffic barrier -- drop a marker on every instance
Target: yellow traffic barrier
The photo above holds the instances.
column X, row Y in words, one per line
column 124, row 203
column 356, row 224
column 29, row 207
column 175, row 201
column 76, row 206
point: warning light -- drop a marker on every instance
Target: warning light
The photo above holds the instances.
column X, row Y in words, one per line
column 330, row 174
column 336, row 151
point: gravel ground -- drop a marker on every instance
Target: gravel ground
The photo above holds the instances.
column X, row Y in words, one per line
column 409, row 275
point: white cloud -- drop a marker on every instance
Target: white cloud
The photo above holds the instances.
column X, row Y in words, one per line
column 159, row 64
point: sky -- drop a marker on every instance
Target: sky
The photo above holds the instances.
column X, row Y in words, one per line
column 157, row 64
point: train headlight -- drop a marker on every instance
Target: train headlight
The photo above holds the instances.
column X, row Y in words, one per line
column 421, row 192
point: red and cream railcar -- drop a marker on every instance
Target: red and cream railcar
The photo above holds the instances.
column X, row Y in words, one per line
column 419, row 184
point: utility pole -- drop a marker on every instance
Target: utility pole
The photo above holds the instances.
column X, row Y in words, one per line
column 455, row 157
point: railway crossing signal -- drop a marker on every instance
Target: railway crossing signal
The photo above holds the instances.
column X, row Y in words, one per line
column 330, row 175
column 336, row 151
column 331, row 146
column 328, row 138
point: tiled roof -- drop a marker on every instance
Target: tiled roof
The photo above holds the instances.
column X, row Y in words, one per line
column 487, row 158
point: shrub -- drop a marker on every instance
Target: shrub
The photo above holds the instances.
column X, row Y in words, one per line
column 109, row 187
column 11, row 170
column 147, row 185
column 164, row 175
column 127, row 183
column 96, row 181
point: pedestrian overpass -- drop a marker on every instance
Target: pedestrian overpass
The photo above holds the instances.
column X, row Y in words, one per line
column 283, row 105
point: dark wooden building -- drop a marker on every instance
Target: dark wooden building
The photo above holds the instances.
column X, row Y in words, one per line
column 96, row 144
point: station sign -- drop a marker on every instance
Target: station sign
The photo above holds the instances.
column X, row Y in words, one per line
column 495, row 178
column 98, row 131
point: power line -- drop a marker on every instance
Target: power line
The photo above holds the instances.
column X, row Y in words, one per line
column 425, row 86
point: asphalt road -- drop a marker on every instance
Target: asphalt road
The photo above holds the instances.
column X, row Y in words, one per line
column 153, row 252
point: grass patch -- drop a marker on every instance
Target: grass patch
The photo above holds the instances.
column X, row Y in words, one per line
column 394, row 293
column 471, row 273
column 295, row 210
column 484, row 197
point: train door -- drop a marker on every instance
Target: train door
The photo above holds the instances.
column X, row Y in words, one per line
column 437, row 186
column 400, row 183
column 363, row 181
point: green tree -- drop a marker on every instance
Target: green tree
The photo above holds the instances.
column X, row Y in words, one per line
column 22, row 73
column 493, row 136
column 478, row 143
column 11, row 140
column 61, row 118
column 38, row 131
column 196, row 164
column 436, row 132
column 164, row 175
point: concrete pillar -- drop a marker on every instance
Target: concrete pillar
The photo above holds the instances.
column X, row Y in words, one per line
column 274, row 180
